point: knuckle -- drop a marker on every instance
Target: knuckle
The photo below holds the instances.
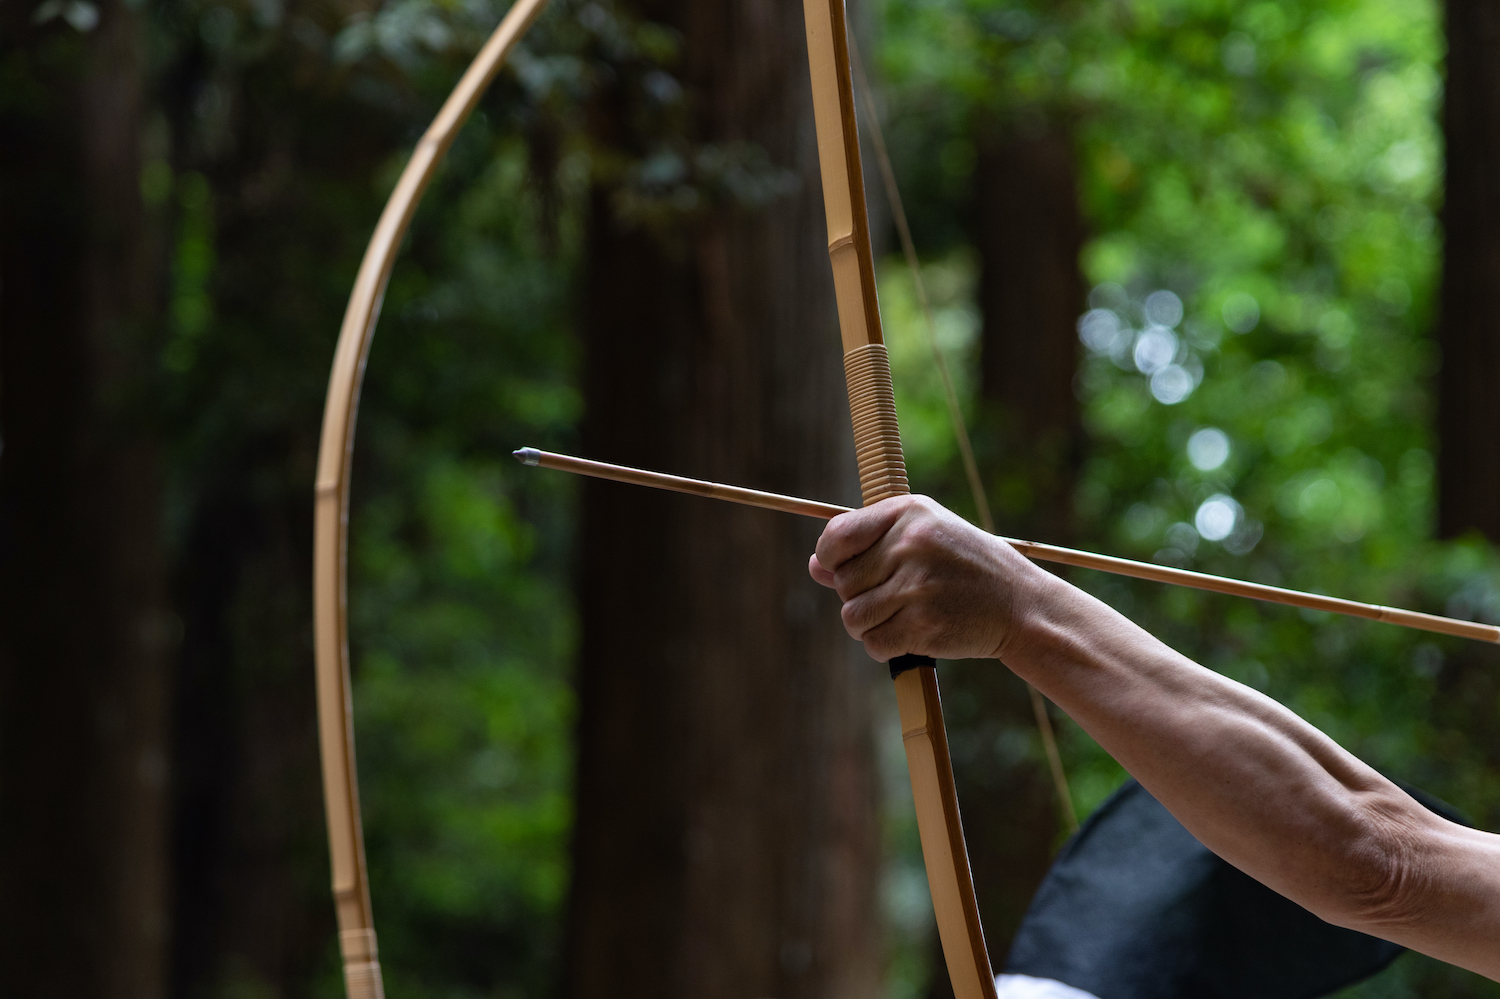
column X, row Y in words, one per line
column 878, row 645
column 914, row 555
column 924, row 533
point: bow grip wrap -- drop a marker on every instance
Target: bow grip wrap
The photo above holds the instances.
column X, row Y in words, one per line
column 882, row 474
column 872, row 410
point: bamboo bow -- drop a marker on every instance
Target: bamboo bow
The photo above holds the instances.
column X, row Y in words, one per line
column 346, row 844
column 882, row 474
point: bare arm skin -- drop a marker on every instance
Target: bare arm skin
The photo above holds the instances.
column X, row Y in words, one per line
column 1255, row 783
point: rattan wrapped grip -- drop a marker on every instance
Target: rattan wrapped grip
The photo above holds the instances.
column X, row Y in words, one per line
column 877, row 438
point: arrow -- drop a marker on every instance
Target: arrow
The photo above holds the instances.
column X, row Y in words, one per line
column 1031, row 549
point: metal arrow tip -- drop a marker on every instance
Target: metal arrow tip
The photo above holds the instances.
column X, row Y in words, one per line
column 527, row 455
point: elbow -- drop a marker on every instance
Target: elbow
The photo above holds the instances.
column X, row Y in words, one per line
column 1377, row 882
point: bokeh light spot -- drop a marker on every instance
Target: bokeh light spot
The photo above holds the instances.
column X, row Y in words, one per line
column 1100, row 330
column 1216, row 517
column 1172, row 384
column 1163, row 308
column 1208, row 449
column 1154, row 349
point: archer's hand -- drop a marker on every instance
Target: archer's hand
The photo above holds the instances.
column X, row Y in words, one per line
column 916, row 578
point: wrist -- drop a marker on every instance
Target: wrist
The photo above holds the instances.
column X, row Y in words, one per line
column 1033, row 593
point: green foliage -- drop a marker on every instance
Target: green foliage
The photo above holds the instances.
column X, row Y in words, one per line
column 926, row 429
column 460, row 605
column 1261, row 179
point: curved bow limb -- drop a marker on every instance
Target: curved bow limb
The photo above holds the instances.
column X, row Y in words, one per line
column 351, row 890
column 882, row 473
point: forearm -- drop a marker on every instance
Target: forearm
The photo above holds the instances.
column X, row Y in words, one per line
column 1255, row 783
column 1213, row 751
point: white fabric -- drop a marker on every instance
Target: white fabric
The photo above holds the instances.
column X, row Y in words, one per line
column 1026, row 987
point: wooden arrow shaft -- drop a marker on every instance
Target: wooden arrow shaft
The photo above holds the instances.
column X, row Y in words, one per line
column 1032, row 549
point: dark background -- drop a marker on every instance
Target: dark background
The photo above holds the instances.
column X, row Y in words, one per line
column 614, row 742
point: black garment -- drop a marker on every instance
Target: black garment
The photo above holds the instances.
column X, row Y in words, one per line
column 1136, row 908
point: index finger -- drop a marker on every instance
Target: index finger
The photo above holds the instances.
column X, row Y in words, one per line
column 851, row 534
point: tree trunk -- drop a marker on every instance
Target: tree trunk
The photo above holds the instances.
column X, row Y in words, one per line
column 250, row 893
column 250, row 878
column 1468, row 333
column 85, row 630
column 1469, row 326
column 1031, row 294
column 726, row 839
column 1029, row 234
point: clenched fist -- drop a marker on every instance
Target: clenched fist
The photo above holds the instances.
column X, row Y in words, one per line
column 916, row 578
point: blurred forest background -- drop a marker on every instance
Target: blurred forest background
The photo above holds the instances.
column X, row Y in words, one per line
column 1217, row 279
